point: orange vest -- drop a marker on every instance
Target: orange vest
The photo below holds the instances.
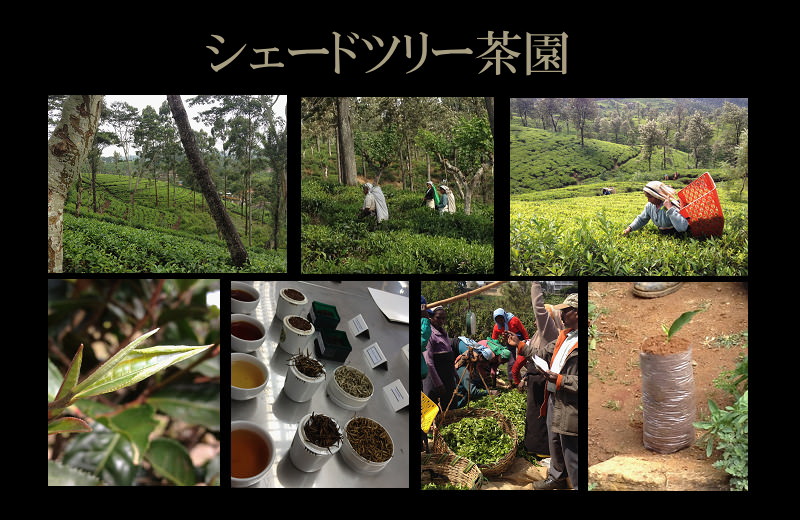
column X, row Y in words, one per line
column 562, row 335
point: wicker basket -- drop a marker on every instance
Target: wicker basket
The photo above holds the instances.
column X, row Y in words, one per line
column 700, row 205
column 452, row 416
column 446, row 468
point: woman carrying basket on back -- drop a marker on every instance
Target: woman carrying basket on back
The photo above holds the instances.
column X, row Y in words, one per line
column 663, row 208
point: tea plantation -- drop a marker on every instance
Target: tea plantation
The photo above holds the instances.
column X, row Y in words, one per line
column 415, row 239
column 574, row 231
column 562, row 225
column 178, row 238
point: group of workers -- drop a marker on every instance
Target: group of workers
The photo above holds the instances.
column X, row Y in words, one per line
column 544, row 365
column 662, row 208
column 441, row 199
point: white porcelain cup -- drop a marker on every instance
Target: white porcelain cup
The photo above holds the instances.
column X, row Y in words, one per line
column 356, row 461
column 307, row 456
column 294, row 340
column 244, row 345
column 288, row 306
column 242, row 393
column 236, row 453
column 299, row 387
column 240, row 306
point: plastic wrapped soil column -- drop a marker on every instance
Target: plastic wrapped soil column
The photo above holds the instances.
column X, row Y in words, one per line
column 667, row 400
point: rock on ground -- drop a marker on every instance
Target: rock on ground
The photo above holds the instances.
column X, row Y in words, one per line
column 625, row 473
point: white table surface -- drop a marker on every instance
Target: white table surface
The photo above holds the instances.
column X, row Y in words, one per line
column 279, row 415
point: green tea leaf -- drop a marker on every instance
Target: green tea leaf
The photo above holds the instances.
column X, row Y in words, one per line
column 73, row 372
column 194, row 404
column 136, row 424
column 171, row 460
column 54, row 380
column 138, row 364
column 68, row 425
column 480, row 439
column 682, row 320
column 102, row 370
column 60, row 475
column 105, row 454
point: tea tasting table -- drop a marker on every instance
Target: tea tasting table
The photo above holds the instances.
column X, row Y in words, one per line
column 279, row 415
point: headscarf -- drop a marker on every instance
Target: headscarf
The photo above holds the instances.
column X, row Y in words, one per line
column 381, row 209
column 451, row 200
column 506, row 316
column 655, row 189
column 425, row 302
column 435, row 192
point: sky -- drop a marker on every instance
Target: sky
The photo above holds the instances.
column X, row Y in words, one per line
column 155, row 101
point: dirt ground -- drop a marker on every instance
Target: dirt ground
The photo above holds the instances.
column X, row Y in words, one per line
column 623, row 321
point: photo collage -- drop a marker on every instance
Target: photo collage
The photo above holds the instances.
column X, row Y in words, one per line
column 231, row 280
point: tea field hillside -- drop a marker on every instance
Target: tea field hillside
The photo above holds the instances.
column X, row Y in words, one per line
column 176, row 235
column 544, row 160
column 561, row 224
column 415, row 239
column 575, row 231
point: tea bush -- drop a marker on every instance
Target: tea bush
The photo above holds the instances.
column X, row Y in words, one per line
column 582, row 235
column 415, row 239
column 726, row 430
column 179, row 237
column 98, row 246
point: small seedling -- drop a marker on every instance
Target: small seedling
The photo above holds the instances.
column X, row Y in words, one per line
column 682, row 320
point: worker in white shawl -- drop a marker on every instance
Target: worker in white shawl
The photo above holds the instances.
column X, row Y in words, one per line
column 374, row 202
column 447, row 200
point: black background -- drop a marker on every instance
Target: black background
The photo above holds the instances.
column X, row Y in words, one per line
column 612, row 51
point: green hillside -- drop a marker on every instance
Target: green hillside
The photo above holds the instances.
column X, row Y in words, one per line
column 623, row 139
column 543, row 160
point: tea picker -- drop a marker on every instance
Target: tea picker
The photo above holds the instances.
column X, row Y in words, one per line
column 431, row 198
column 662, row 208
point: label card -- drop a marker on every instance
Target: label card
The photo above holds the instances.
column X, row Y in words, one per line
column 396, row 395
column 374, row 356
column 358, row 326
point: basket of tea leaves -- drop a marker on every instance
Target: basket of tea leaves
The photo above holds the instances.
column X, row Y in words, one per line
column 483, row 436
column 448, row 471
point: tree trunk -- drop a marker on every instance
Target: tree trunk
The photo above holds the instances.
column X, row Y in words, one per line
column 489, row 101
column 67, row 149
column 280, row 206
column 346, row 145
column 224, row 224
column 466, row 186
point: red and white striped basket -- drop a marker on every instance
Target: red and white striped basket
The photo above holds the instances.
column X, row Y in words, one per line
column 700, row 205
